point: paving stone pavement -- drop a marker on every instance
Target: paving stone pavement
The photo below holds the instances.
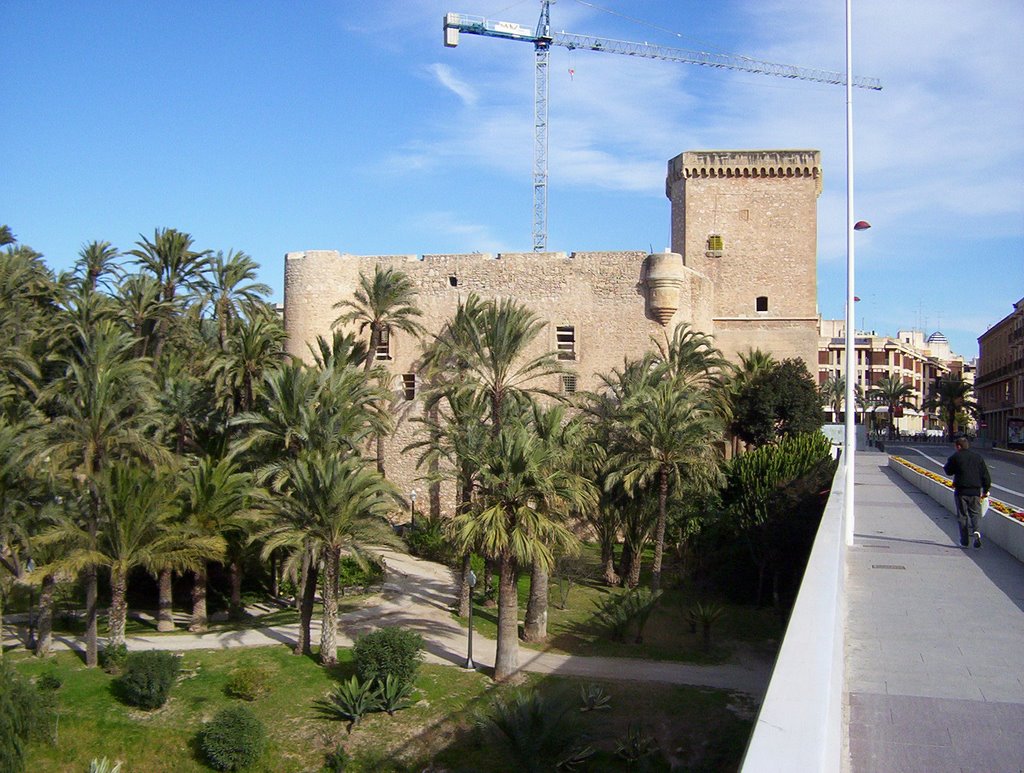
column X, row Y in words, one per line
column 935, row 638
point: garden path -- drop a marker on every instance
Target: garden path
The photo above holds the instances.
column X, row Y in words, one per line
column 418, row 595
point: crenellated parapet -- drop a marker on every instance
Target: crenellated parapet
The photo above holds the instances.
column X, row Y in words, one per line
column 745, row 163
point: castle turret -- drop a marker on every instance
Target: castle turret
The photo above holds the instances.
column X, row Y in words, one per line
column 665, row 278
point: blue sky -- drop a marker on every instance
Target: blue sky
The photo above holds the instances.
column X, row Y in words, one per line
column 276, row 126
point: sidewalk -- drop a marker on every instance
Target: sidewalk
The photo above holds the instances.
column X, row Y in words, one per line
column 417, row 596
column 935, row 638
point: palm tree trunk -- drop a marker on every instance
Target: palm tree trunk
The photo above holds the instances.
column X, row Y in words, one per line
column 200, row 621
column 535, row 626
column 506, row 659
column 329, row 630
column 464, row 589
column 608, row 560
column 165, row 604
column 91, row 619
column 235, row 606
column 118, row 607
column 380, row 455
column 44, row 626
column 636, row 560
column 310, row 573
column 275, row 586
column 659, row 535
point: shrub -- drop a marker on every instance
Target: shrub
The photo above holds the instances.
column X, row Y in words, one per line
column 112, row 659
column 635, row 746
column 594, row 698
column 26, row 714
column 233, row 739
column 148, row 678
column 49, row 681
column 352, row 700
column 351, row 574
column 428, row 540
column 248, row 682
column 104, row 766
column 388, row 651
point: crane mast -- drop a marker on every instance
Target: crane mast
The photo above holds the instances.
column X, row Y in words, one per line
column 542, row 39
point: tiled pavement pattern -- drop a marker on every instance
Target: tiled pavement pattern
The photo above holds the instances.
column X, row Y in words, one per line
column 935, row 638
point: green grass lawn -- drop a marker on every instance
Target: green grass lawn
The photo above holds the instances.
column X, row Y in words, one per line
column 701, row 729
column 575, row 630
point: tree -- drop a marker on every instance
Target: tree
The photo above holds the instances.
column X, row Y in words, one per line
column 893, row 393
column 777, row 402
column 521, row 486
column 951, row 397
column 170, row 259
column 670, row 441
column 833, row 394
column 230, row 291
column 330, row 506
column 98, row 407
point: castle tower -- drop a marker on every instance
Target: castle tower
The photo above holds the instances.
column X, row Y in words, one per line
column 747, row 220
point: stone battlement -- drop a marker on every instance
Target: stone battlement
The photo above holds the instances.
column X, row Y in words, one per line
column 745, row 163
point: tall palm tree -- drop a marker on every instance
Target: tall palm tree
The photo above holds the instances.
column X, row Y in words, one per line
column 892, row 392
column 670, row 440
column 382, row 303
column 99, row 414
column 96, row 262
column 833, row 394
column 951, row 396
column 521, row 486
column 254, row 348
column 230, row 290
column 176, row 266
column 137, row 530
column 215, row 504
column 330, row 506
column 571, row 450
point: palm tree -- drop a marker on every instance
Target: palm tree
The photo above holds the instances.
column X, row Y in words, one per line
column 892, row 392
column 521, row 486
column 383, row 303
column 170, row 259
column 833, row 394
column 137, row 529
column 330, row 506
column 951, row 397
column 571, row 450
column 255, row 347
column 231, row 290
column 215, row 505
column 98, row 404
column 96, row 261
column 670, row 440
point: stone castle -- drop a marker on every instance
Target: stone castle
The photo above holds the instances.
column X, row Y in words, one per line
column 742, row 267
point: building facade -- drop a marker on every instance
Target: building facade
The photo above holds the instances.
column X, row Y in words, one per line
column 1000, row 380
column 908, row 356
column 742, row 268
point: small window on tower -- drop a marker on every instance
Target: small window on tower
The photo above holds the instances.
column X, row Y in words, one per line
column 409, row 385
column 762, row 303
column 565, row 342
column 569, row 383
column 383, row 351
column 714, row 246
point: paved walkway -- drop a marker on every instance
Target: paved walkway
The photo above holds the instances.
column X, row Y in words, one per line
column 418, row 595
column 935, row 638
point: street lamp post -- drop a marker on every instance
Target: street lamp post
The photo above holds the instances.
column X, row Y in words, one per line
column 471, row 581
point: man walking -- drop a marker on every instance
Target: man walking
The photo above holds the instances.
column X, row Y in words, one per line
column 971, row 482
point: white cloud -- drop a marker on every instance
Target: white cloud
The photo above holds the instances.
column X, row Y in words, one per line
column 447, row 78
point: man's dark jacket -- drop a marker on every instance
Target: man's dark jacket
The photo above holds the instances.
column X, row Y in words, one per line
column 970, row 473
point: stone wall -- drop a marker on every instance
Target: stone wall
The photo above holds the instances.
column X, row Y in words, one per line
column 761, row 203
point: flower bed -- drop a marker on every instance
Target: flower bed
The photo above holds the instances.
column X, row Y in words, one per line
column 1004, row 524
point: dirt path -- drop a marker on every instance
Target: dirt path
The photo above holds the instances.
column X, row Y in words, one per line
column 418, row 595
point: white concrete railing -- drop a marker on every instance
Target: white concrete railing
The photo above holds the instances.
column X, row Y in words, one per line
column 800, row 724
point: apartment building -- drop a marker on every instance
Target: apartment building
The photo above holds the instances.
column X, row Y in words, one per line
column 1000, row 380
column 916, row 360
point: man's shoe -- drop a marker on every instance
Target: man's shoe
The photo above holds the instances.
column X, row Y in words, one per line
column 977, row 539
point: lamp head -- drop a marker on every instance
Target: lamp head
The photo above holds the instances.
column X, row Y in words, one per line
column 861, row 225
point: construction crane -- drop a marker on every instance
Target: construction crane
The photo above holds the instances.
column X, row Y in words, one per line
column 542, row 39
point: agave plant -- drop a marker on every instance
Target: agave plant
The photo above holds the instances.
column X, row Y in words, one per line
column 351, row 701
column 705, row 615
column 594, row 698
column 635, row 745
column 395, row 694
column 104, row 766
